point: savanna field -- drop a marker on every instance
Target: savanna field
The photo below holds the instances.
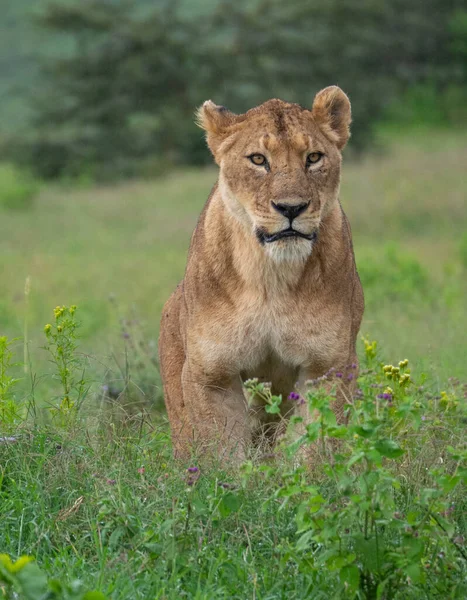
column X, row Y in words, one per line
column 88, row 486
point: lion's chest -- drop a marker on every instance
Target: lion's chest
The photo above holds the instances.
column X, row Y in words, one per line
column 296, row 332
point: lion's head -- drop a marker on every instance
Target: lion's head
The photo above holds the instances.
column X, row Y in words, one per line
column 280, row 166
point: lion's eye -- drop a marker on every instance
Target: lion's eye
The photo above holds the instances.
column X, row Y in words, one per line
column 258, row 159
column 313, row 158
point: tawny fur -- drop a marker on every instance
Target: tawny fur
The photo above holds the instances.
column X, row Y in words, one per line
column 285, row 311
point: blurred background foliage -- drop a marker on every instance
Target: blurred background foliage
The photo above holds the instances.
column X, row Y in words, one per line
column 108, row 88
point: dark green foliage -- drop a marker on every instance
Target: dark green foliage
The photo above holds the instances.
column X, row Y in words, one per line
column 122, row 100
column 25, row 581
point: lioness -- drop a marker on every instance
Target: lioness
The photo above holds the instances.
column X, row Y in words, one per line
column 271, row 289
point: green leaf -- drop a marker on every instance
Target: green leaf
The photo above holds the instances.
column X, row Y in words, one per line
column 339, row 431
column 32, row 581
column 334, row 563
column 413, row 547
column 350, row 579
column 381, row 587
column 365, row 431
column 329, row 417
column 448, row 482
column 367, row 552
column 305, row 540
column 199, row 506
column 415, row 573
column 355, row 458
column 229, row 504
column 389, row 448
column 94, row 596
column 115, row 537
column 166, row 525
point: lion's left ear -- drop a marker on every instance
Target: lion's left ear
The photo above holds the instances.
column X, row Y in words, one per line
column 217, row 122
column 332, row 113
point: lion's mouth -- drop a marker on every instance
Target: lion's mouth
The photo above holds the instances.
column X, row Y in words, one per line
column 265, row 238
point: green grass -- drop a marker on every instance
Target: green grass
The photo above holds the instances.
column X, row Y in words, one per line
column 130, row 241
column 100, row 497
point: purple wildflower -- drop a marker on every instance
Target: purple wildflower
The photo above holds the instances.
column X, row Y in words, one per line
column 227, row 486
column 192, row 469
column 294, row 396
column 339, row 374
column 350, row 376
column 354, row 365
column 385, row 396
column 423, row 418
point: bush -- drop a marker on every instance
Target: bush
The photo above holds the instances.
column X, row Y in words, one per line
column 23, row 580
column 17, row 188
column 375, row 516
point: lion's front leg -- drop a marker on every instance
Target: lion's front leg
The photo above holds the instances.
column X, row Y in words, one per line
column 218, row 413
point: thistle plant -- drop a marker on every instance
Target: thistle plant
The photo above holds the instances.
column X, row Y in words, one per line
column 61, row 344
column 375, row 508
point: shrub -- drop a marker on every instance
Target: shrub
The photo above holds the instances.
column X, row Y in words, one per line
column 17, row 188
column 23, row 580
column 69, row 368
column 375, row 516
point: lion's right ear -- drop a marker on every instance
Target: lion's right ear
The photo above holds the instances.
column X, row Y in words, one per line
column 331, row 111
column 217, row 122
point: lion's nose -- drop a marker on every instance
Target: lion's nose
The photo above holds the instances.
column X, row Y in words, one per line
column 291, row 210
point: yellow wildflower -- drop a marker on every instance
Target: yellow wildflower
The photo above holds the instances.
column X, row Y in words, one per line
column 404, row 379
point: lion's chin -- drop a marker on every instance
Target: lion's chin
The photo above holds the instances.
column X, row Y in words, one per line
column 290, row 249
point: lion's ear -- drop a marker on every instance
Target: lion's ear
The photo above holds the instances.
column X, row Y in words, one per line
column 216, row 122
column 331, row 111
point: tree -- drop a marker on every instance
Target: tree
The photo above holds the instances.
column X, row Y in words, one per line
column 123, row 98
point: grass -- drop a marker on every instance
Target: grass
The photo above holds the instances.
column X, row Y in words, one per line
column 97, row 495
column 82, row 246
column 101, row 499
